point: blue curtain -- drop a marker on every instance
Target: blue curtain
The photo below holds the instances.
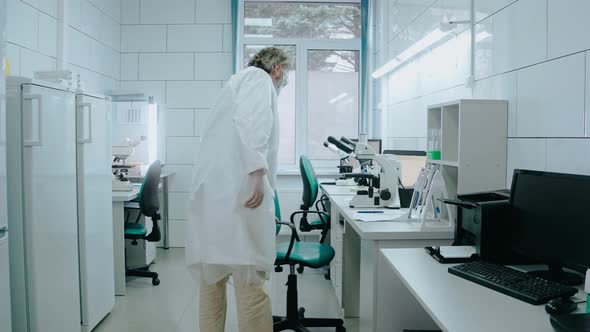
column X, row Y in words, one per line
column 364, row 106
column 234, row 23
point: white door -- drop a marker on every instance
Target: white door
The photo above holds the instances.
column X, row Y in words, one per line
column 50, row 226
column 95, row 208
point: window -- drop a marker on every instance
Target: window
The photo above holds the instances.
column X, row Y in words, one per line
column 332, row 97
column 264, row 19
column 322, row 97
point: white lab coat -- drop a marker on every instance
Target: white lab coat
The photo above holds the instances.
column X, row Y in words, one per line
column 241, row 136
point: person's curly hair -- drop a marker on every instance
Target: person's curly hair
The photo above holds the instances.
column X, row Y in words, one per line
column 267, row 58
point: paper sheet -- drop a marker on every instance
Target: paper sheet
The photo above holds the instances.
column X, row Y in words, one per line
column 387, row 215
column 457, row 251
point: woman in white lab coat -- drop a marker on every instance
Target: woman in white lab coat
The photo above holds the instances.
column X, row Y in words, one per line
column 231, row 229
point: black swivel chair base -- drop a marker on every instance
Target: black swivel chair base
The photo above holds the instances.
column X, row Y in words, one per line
column 295, row 319
column 143, row 272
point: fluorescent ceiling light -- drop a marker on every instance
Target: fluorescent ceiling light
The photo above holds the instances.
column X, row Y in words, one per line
column 338, row 98
column 417, row 48
column 481, row 36
column 258, row 22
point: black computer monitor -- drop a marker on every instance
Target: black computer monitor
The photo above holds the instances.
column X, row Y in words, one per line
column 551, row 221
column 375, row 143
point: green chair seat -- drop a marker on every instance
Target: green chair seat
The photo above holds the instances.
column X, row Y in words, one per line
column 312, row 254
column 135, row 230
column 317, row 223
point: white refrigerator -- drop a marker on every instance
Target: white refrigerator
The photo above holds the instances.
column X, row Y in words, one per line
column 95, row 216
column 5, row 311
column 42, row 206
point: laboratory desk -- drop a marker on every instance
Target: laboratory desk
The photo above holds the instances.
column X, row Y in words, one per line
column 119, row 199
column 417, row 292
column 354, row 268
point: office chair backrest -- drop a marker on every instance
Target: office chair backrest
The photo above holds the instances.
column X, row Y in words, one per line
column 149, row 202
column 310, row 183
column 277, row 212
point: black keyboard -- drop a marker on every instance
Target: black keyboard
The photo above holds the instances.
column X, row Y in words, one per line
column 520, row 285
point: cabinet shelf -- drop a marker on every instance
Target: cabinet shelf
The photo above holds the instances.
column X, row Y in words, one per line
column 444, row 162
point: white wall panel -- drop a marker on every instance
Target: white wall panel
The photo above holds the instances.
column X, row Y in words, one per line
column 550, row 99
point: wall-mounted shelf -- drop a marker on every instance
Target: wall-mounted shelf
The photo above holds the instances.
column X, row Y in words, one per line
column 472, row 143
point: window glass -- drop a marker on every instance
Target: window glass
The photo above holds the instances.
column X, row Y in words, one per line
column 333, row 92
column 301, row 20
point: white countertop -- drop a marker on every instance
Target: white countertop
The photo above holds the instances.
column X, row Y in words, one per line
column 334, row 190
column 125, row 196
column 459, row 305
column 386, row 230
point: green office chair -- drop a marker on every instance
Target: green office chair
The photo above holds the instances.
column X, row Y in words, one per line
column 148, row 205
column 295, row 252
column 310, row 194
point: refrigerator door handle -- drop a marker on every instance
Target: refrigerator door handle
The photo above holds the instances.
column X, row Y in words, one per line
column 3, row 234
column 84, row 123
column 32, row 121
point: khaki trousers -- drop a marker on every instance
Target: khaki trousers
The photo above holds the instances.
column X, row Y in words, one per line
column 254, row 309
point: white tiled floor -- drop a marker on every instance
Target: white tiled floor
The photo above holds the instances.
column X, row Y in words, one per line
column 173, row 305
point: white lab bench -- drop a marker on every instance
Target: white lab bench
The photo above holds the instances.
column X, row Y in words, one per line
column 119, row 199
column 417, row 292
column 354, row 268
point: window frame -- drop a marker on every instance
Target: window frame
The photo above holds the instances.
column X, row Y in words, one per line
column 302, row 46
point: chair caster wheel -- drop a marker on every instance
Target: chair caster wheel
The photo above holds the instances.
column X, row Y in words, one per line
column 301, row 313
column 327, row 276
column 155, row 281
column 300, row 269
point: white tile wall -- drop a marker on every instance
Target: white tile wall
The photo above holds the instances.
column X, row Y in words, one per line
column 143, row 38
column 178, row 205
column 31, row 61
column 166, row 66
column 213, row 66
column 47, row 35
column 519, row 35
column 533, row 53
column 568, row 156
column 500, row 87
column 526, row 154
column 180, row 181
column 130, row 66
column 22, row 24
column 568, row 27
column 180, row 122
column 218, row 11
column 177, row 233
column 227, row 38
column 47, row 6
column 550, row 99
column 91, row 39
column 13, row 55
column 130, row 12
column 192, row 94
column 182, row 150
column 167, row 12
column 195, row 38
column 201, row 118
column 157, row 89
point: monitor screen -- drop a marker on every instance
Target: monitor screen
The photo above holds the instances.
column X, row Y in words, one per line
column 551, row 217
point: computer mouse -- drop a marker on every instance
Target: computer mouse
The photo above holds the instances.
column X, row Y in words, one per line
column 560, row 306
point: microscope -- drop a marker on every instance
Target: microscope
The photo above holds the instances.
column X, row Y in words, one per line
column 380, row 173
